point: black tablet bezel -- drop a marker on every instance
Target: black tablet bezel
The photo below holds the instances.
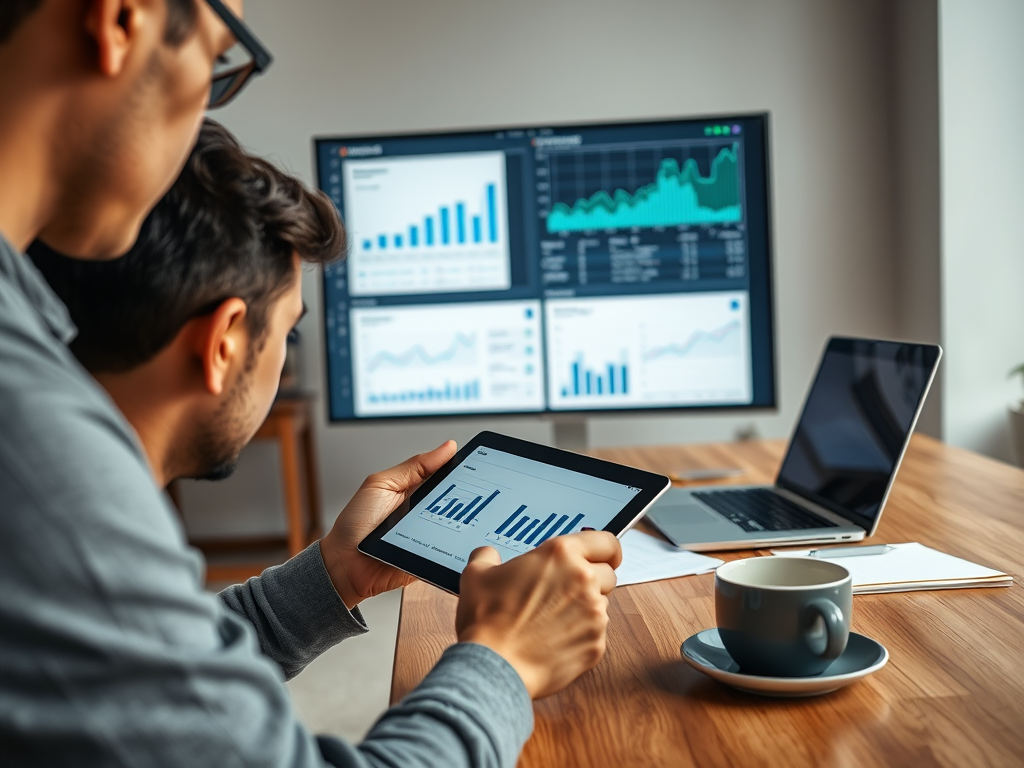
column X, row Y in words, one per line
column 650, row 484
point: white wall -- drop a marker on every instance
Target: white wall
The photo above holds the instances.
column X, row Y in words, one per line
column 915, row 164
column 981, row 45
column 820, row 67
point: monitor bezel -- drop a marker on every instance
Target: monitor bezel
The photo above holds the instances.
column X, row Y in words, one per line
column 548, row 413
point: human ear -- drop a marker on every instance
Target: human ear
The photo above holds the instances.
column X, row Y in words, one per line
column 223, row 344
column 114, row 26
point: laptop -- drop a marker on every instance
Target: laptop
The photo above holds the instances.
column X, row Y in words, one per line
column 840, row 463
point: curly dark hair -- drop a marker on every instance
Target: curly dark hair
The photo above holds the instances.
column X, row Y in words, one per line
column 228, row 227
column 181, row 17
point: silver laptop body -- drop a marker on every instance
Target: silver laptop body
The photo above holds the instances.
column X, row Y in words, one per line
column 840, row 463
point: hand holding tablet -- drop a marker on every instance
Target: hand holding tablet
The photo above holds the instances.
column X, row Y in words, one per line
column 509, row 494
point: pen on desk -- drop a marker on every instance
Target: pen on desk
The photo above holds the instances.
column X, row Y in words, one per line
column 874, row 549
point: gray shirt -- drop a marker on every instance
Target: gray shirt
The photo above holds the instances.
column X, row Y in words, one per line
column 111, row 653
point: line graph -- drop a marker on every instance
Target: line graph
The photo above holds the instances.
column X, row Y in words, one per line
column 679, row 194
column 446, row 358
column 697, row 338
column 463, row 345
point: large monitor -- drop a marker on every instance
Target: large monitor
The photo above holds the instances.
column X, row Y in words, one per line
column 553, row 269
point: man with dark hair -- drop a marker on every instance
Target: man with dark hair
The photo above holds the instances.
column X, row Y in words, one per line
column 216, row 265
column 110, row 651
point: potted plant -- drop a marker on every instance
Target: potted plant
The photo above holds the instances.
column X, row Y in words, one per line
column 1017, row 422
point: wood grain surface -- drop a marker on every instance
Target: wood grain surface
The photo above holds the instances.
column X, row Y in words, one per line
column 951, row 695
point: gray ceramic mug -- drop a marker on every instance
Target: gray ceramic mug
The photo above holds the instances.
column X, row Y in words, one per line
column 783, row 616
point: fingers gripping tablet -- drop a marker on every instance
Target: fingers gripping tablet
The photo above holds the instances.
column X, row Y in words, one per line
column 512, row 495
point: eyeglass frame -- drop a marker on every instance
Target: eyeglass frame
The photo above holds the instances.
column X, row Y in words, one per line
column 261, row 57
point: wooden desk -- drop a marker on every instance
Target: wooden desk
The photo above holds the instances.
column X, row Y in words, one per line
column 951, row 695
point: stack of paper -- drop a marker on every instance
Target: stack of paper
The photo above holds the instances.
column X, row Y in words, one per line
column 645, row 558
column 910, row 567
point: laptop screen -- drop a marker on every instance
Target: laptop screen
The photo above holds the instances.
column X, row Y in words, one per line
column 856, row 423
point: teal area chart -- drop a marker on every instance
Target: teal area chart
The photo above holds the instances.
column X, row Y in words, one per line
column 679, row 195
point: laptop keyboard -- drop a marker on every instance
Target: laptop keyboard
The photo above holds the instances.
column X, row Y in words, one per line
column 760, row 509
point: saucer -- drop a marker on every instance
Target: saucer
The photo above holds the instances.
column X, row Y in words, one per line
column 706, row 653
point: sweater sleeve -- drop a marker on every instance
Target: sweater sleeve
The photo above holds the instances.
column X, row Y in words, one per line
column 295, row 610
column 471, row 710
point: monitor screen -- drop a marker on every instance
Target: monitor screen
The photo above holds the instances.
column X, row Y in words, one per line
column 856, row 423
column 587, row 268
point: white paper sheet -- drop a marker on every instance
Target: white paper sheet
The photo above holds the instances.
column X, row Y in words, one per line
column 910, row 567
column 645, row 558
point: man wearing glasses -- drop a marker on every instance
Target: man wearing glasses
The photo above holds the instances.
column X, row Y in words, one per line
column 110, row 652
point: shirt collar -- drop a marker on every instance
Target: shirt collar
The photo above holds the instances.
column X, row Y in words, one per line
column 19, row 270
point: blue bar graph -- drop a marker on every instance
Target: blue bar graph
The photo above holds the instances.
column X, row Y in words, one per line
column 451, row 506
column 521, row 532
column 465, row 228
column 613, row 379
column 463, row 392
column 511, row 517
column 517, row 526
column 468, row 508
column 553, row 529
column 542, row 527
column 492, row 214
column 480, row 508
column 526, row 530
column 433, row 506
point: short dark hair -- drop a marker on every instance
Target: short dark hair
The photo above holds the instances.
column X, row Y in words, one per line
column 228, row 227
column 181, row 17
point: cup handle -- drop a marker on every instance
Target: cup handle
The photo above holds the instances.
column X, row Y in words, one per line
column 836, row 633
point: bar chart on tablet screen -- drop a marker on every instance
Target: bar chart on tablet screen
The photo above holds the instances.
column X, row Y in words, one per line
column 509, row 502
column 459, row 505
column 521, row 532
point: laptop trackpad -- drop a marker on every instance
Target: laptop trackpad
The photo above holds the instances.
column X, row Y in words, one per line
column 691, row 523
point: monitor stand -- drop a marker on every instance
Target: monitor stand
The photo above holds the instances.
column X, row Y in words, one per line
column 571, row 433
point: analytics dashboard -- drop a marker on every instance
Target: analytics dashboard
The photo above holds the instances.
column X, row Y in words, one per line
column 552, row 269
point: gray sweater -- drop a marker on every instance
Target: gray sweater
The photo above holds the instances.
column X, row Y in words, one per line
column 111, row 653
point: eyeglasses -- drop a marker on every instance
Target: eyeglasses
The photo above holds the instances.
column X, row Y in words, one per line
column 247, row 58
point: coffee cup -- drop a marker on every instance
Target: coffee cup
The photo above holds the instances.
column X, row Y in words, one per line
column 783, row 616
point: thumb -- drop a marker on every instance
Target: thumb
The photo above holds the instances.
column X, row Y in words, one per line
column 411, row 472
column 484, row 558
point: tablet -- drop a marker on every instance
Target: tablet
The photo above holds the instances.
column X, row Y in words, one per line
column 509, row 494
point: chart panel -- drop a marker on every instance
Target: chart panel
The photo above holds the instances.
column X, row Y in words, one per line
column 427, row 224
column 650, row 351
column 665, row 212
column 456, row 358
column 509, row 502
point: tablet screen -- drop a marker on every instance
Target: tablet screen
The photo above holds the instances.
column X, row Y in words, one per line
column 509, row 502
